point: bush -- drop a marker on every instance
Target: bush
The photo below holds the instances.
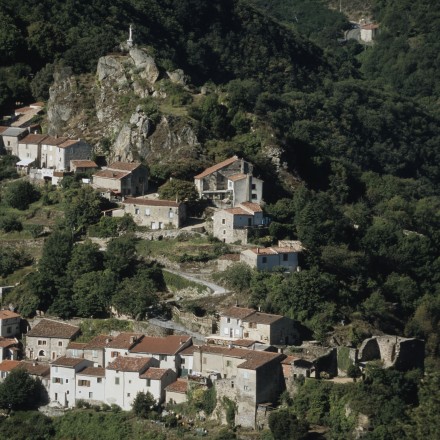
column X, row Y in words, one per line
column 21, row 194
column 10, row 223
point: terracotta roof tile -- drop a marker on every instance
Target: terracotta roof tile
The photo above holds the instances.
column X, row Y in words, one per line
column 217, row 167
column 262, row 318
column 7, row 342
column 238, row 211
column 125, row 340
column 188, row 351
column 93, row 371
column 69, row 143
column 154, row 373
column 112, row 174
column 99, row 342
column 7, row 314
column 65, row 361
column 243, row 343
column 155, row 345
column 35, row 368
column 129, row 364
column 48, row 328
column 76, row 345
column 150, row 202
column 254, row 207
column 124, row 166
column 9, row 365
column 3, row 128
column 238, row 312
column 33, row 139
column 179, row 386
column 84, row 164
column 235, row 177
column 52, row 140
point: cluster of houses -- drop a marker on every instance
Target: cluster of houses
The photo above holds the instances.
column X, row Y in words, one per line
column 244, row 361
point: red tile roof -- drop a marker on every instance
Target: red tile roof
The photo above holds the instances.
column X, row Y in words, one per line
column 262, row 318
column 179, row 386
column 65, row 361
column 84, row 164
column 155, row 373
column 99, row 342
column 35, row 368
column 238, row 312
column 69, row 143
column 48, row 328
column 93, row 371
column 150, row 202
column 125, row 340
column 155, row 345
column 238, row 211
column 76, row 345
column 111, row 174
column 3, row 128
column 52, row 140
column 235, row 177
column 129, row 364
column 9, row 365
column 217, row 167
column 124, row 166
column 254, row 207
column 33, row 139
column 188, row 351
column 243, row 343
column 370, row 26
column 7, row 342
column 7, row 314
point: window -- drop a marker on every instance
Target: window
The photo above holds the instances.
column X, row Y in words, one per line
column 83, row 383
column 41, row 353
column 45, row 147
column 60, row 343
column 148, row 382
column 254, row 186
column 285, row 257
column 264, row 260
column 232, row 384
column 254, row 196
column 223, row 221
column 128, row 394
column 116, row 380
column 228, row 363
column 182, row 361
column 228, row 320
column 50, row 148
column 226, row 331
column 246, row 375
column 94, row 354
column 90, row 395
column 136, row 210
column 42, row 342
column 114, row 354
column 162, row 357
column 57, row 380
column 9, row 143
column 67, row 380
column 246, row 388
column 99, row 380
column 147, row 211
column 129, row 381
column 252, row 325
column 224, row 231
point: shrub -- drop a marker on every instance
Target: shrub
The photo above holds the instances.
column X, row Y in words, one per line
column 10, row 223
column 21, row 194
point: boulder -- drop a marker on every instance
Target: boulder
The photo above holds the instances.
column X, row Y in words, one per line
column 146, row 64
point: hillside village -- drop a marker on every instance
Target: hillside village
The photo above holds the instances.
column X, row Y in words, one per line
column 225, row 226
column 251, row 359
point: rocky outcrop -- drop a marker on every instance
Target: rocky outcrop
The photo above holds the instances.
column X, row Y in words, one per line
column 145, row 65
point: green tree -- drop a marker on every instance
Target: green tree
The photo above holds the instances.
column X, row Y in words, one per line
column 143, row 404
column 21, row 194
column 120, row 257
column 19, row 391
column 92, row 293
column 284, row 425
column 27, row 425
column 86, row 257
column 179, row 190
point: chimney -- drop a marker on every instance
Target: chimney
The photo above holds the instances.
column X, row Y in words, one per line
column 132, row 339
column 258, row 250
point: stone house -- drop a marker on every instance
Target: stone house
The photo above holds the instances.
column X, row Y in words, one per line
column 247, row 377
column 165, row 349
column 156, row 381
column 57, row 152
column 176, row 392
column 29, row 148
column 63, row 379
column 9, row 324
column 240, row 322
column 10, row 137
column 9, row 349
column 155, row 214
column 82, row 166
column 90, row 385
column 120, row 346
column 271, row 257
column 369, row 32
column 123, row 179
column 38, row 371
column 229, row 183
column 232, row 224
column 123, row 381
column 93, row 350
column 48, row 340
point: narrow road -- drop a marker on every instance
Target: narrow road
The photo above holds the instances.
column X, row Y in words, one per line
column 215, row 288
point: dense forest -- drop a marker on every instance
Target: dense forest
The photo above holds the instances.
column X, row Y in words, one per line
column 359, row 131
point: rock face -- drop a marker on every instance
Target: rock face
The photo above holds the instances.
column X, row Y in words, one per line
column 109, row 105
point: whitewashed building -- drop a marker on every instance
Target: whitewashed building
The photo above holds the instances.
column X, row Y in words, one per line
column 90, row 385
